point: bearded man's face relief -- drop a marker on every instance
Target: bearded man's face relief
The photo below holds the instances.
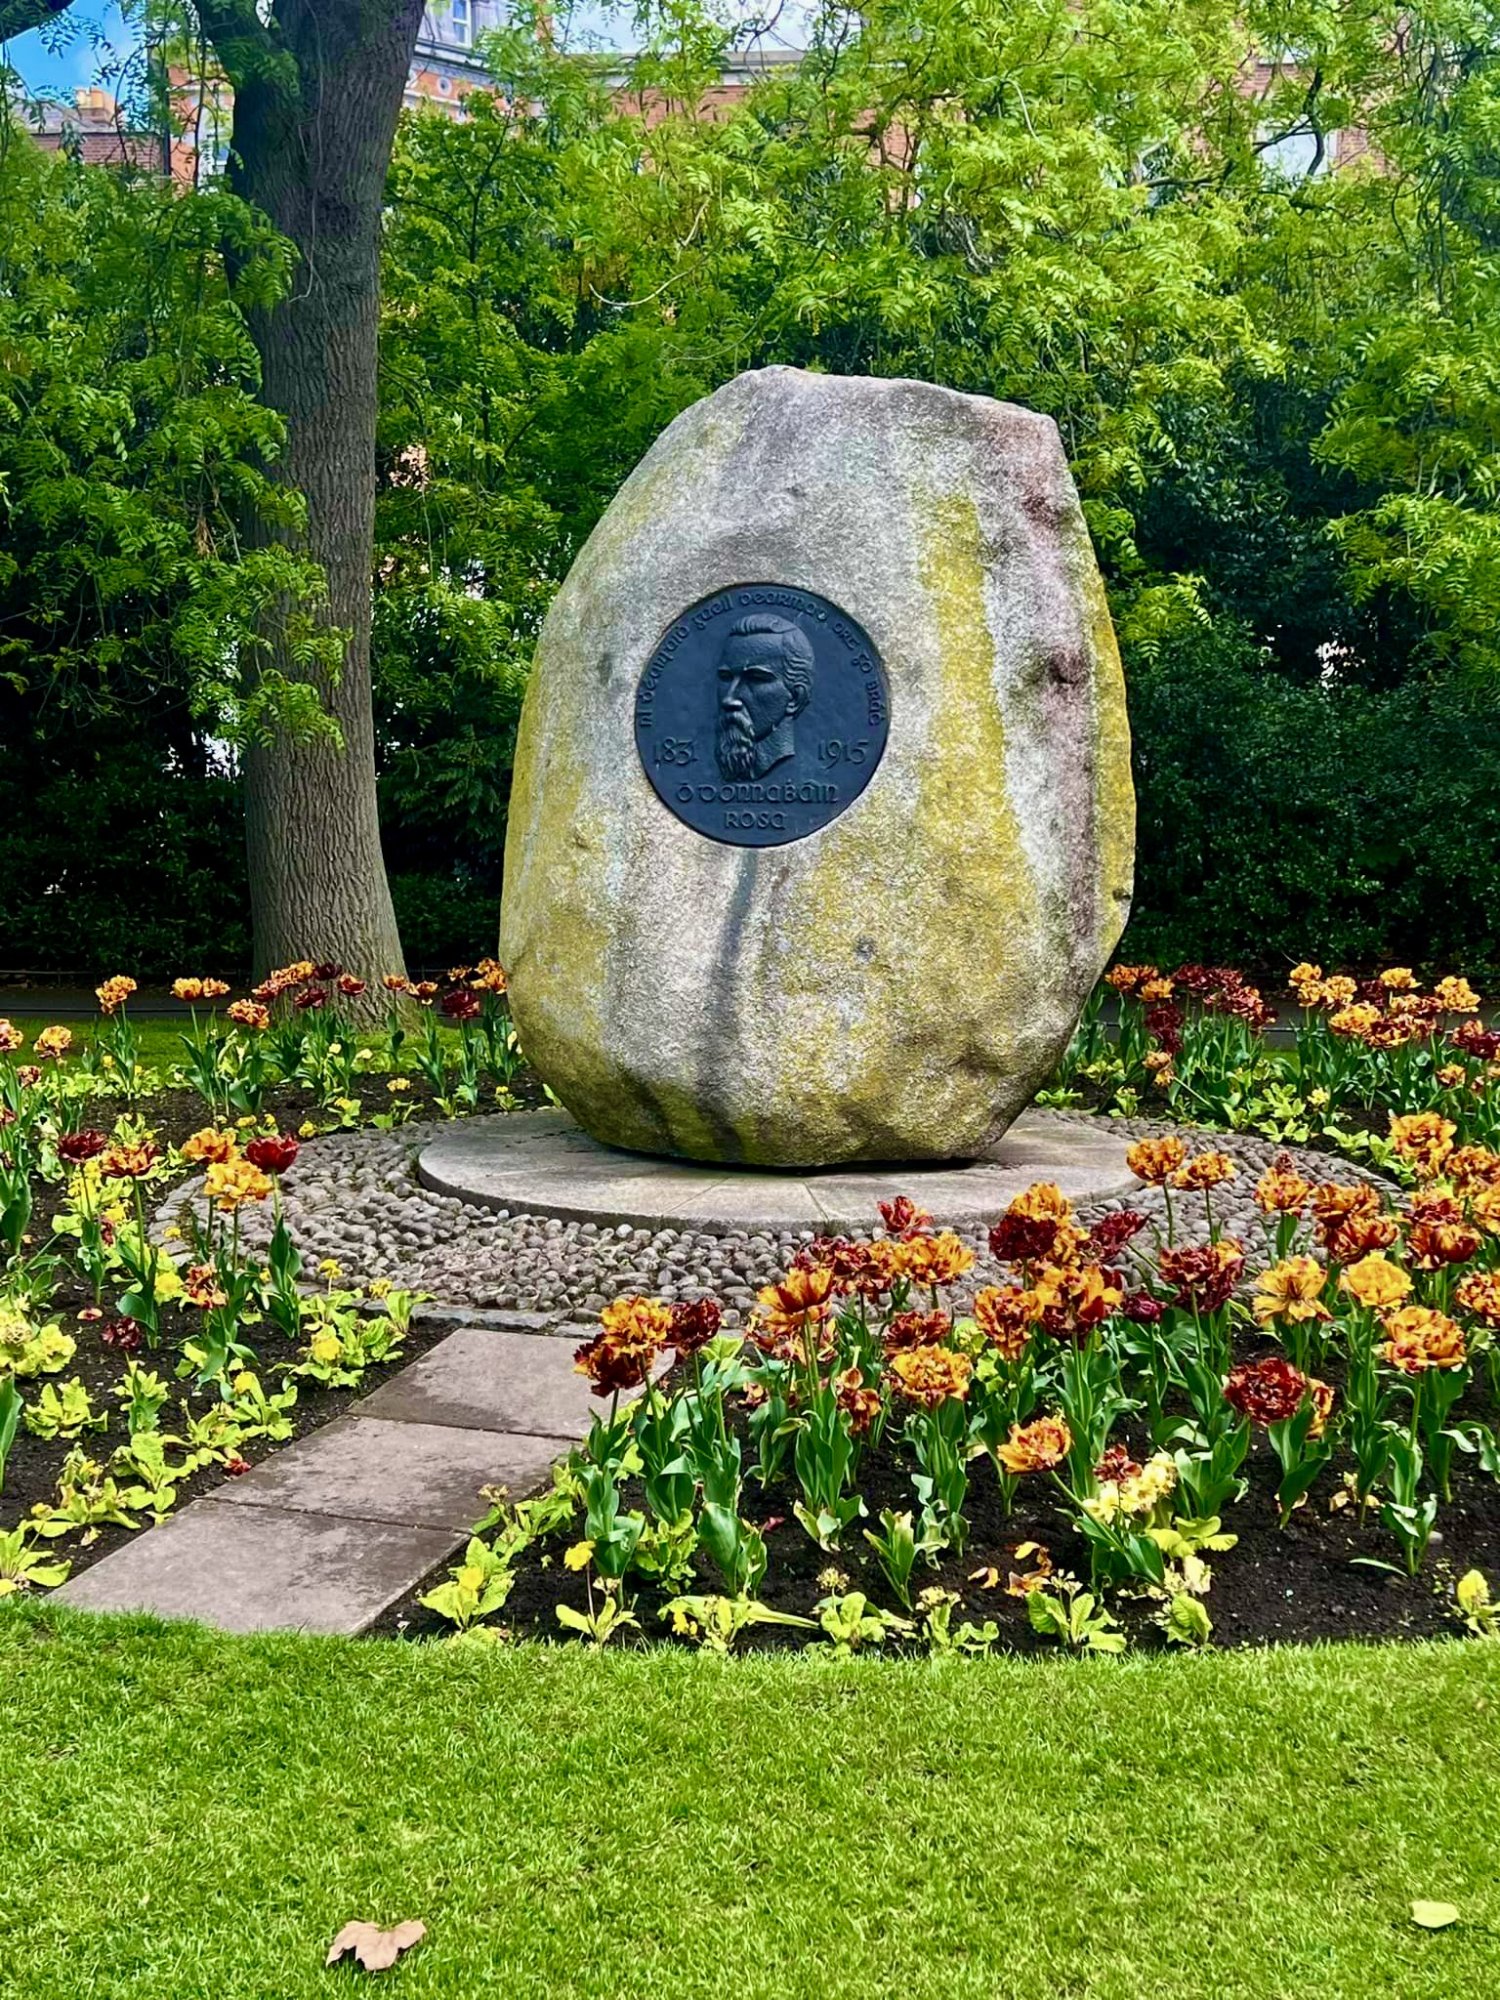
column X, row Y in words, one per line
column 765, row 681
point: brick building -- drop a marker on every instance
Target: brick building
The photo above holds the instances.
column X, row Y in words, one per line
column 96, row 129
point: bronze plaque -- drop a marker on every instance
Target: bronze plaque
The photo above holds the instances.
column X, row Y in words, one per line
column 761, row 714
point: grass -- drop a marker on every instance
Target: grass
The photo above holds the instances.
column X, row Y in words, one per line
column 158, row 1042
column 191, row 1815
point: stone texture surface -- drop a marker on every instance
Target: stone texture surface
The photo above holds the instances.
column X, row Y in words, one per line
column 896, row 985
column 421, row 1475
column 491, row 1381
column 331, row 1530
column 261, row 1569
column 540, row 1162
column 355, row 1197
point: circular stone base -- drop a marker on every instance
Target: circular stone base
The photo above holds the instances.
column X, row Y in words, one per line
column 542, row 1163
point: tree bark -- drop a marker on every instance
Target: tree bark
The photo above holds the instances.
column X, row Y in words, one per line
column 317, row 94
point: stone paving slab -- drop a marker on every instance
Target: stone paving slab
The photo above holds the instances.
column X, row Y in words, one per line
column 327, row 1533
column 262, row 1569
column 542, row 1163
column 483, row 1379
column 416, row 1475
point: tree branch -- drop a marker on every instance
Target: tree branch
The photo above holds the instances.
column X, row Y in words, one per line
column 246, row 47
column 17, row 17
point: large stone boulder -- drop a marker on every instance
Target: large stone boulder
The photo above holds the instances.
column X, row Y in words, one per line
column 822, row 824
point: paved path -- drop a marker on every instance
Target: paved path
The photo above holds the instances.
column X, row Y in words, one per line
column 329, row 1532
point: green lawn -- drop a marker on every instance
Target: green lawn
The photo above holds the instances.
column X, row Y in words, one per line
column 188, row 1815
column 158, row 1041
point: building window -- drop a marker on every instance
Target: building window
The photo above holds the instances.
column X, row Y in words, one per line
column 461, row 22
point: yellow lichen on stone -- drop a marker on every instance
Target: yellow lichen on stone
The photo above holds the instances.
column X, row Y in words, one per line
column 1114, row 788
column 965, row 783
column 553, row 940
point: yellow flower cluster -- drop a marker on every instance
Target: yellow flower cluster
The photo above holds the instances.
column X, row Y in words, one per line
column 784, row 1309
column 130, row 1160
column 1036, row 1447
column 930, row 1375
column 1354, row 1023
column 210, row 1147
column 1155, row 1161
column 1472, row 1168
column 1479, row 1293
column 198, row 989
column 637, row 1321
column 230, row 1184
column 1420, row 1337
column 1456, row 996
column 1375, row 1282
column 1313, row 990
column 1281, row 1190
column 1291, row 1290
column 936, row 1260
column 283, row 979
column 1075, row 1296
column 1005, row 1315
column 1137, row 1495
column 1424, row 1139
column 1453, row 995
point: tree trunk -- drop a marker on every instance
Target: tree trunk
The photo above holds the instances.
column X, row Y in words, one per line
column 314, row 120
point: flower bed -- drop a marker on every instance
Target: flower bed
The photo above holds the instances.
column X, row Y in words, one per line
column 1150, row 1431
column 1108, row 1432
column 1203, row 1044
column 139, row 1367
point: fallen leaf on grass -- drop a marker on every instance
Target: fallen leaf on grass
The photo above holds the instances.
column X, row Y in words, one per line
column 374, row 1948
column 1434, row 1916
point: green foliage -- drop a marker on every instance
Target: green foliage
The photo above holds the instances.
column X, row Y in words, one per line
column 457, row 1783
column 714, row 1623
column 477, row 1586
column 1474, row 1607
column 1273, row 812
column 132, row 443
column 1075, row 1618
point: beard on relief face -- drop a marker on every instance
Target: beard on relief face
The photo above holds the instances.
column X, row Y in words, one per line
column 736, row 744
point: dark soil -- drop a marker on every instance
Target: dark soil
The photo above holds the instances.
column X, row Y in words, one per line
column 1303, row 1583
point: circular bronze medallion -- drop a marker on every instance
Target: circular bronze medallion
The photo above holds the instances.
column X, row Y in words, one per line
column 761, row 714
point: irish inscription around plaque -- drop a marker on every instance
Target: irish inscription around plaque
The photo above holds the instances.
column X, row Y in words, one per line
column 762, row 714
